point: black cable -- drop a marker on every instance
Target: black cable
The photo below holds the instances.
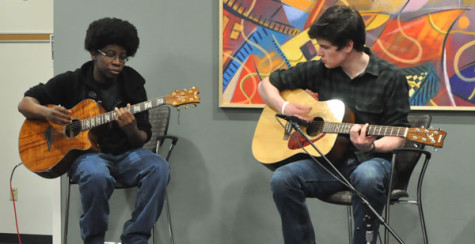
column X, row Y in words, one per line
column 14, row 206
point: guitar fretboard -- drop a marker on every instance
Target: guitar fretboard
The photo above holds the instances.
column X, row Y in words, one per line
column 104, row 118
column 373, row 130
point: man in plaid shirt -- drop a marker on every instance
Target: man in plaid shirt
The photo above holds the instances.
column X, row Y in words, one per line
column 373, row 89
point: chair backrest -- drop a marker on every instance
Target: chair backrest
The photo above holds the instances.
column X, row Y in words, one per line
column 159, row 118
column 407, row 161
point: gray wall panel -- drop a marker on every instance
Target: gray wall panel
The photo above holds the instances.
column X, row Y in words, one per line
column 218, row 192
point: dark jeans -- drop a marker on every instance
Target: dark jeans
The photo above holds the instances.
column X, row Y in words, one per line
column 96, row 174
column 294, row 182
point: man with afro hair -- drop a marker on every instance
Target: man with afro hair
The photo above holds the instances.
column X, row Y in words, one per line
column 107, row 80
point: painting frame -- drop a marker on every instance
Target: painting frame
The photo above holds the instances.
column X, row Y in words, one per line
column 434, row 87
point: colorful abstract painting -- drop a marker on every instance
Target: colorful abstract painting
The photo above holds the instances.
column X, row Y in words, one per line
column 432, row 41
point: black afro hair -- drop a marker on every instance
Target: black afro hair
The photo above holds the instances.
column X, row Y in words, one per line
column 107, row 31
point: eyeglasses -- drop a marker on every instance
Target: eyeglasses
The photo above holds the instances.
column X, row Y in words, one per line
column 111, row 55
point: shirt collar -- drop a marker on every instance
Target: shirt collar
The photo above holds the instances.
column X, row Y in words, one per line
column 373, row 67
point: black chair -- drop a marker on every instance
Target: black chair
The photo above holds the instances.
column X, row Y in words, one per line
column 404, row 162
column 159, row 119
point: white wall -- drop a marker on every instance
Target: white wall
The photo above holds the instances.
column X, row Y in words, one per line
column 24, row 64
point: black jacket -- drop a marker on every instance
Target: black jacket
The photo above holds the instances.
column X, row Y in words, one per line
column 70, row 88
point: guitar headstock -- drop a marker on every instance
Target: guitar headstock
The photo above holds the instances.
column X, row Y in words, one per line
column 426, row 136
column 183, row 97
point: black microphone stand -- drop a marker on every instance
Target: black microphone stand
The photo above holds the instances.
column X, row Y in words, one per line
column 363, row 199
column 369, row 235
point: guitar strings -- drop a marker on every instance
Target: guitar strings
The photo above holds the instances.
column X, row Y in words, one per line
column 74, row 125
column 374, row 129
column 77, row 123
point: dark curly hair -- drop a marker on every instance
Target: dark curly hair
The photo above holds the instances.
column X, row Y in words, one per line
column 339, row 24
column 106, row 31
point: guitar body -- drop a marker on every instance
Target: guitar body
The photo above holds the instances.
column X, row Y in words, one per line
column 48, row 149
column 272, row 148
column 273, row 145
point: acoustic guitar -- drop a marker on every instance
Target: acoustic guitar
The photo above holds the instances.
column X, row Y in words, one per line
column 48, row 149
column 274, row 143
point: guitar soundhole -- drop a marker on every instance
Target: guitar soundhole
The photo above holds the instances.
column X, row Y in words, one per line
column 73, row 129
column 316, row 127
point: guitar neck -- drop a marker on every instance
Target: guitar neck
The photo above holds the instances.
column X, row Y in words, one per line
column 373, row 130
column 107, row 117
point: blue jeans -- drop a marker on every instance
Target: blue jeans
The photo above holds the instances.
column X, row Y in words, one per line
column 292, row 183
column 96, row 175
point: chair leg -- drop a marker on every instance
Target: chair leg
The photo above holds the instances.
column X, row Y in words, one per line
column 170, row 229
column 66, row 214
column 423, row 223
column 419, row 203
column 154, row 234
column 350, row 224
column 386, row 218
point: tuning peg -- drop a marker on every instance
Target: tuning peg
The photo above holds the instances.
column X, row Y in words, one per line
column 186, row 106
column 194, row 105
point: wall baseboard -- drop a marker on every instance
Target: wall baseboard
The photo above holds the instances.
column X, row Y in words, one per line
column 26, row 238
